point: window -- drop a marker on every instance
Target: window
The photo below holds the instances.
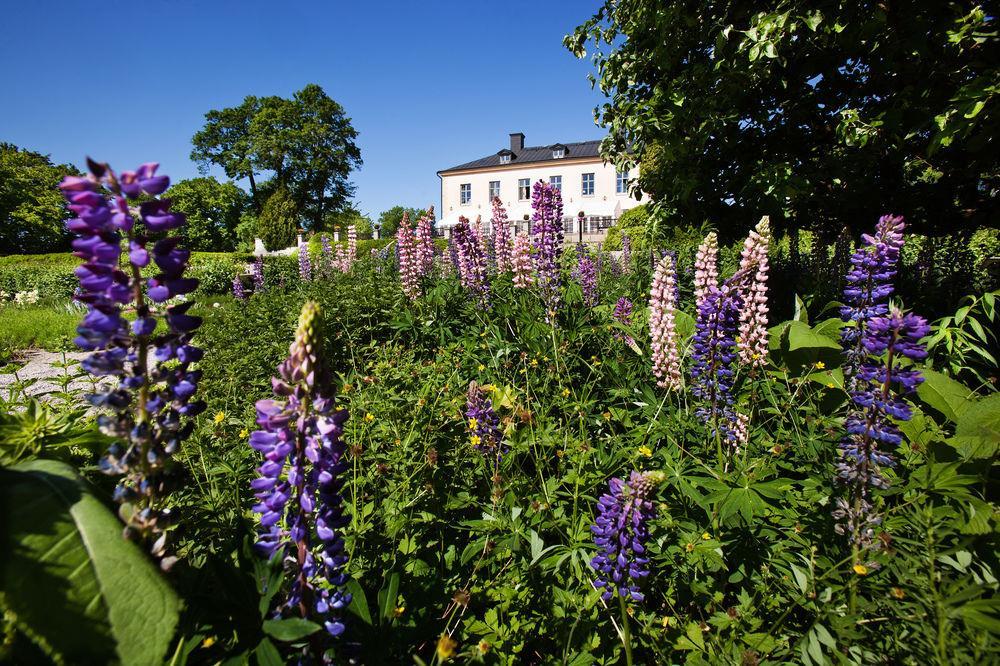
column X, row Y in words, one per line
column 556, row 182
column 524, row 189
column 621, row 182
column 587, row 188
column 494, row 189
column 465, row 192
column 558, row 153
column 505, row 159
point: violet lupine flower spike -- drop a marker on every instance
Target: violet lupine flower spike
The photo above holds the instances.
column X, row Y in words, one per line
column 425, row 243
column 305, row 267
column 521, row 262
column 586, row 276
column 484, row 425
column 239, row 293
column 501, row 237
column 662, row 325
column 753, row 337
column 149, row 410
column 620, row 532
column 301, row 479
column 328, row 259
column 623, row 315
column 546, row 202
column 407, row 251
column 627, row 265
column 258, row 275
column 471, row 263
column 706, row 271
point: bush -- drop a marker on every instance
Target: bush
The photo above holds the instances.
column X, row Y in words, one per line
column 277, row 224
column 634, row 222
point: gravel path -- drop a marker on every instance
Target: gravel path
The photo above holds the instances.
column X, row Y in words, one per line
column 38, row 365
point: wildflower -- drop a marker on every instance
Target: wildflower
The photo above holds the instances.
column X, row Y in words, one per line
column 620, row 532
column 860, row 569
column 352, row 248
column 148, row 410
column 407, row 250
column 586, row 276
column 483, row 647
column 425, row 243
column 706, row 536
column 305, row 268
column 623, row 315
column 546, row 202
column 471, row 263
column 521, row 262
column 398, row 611
column 565, row 393
column 258, row 275
column 300, row 480
column 208, row 642
column 219, row 417
column 706, row 272
column 446, row 646
column 369, row 417
column 484, row 424
column 819, row 365
column 481, row 367
column 645, row 451
column 662, row 327
column 627, row 253
column 501, row 237
column 753, row 338
column 239, row 293
column 898, row 593
column 244, row 433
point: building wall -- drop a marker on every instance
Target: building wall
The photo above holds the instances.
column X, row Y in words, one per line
column 604, row 202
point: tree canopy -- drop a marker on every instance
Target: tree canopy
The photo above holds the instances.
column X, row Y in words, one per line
column 390, row 219
column 306, row 144
column 817, row 113
column 213, row 211
column 32, row 210
column 277, row 224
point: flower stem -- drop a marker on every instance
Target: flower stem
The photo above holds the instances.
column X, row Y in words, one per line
column 626, row 631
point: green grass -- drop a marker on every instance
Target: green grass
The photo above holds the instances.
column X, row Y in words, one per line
column 50, row 327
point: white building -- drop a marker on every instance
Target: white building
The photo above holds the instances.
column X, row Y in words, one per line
column 594, row 194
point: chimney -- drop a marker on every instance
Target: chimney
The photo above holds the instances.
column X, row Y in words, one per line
column 516, row 142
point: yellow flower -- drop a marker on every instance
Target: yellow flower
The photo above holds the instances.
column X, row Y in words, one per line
column 446, row 647
column 706, row 536
column 208, row 642
column 860, row 569
column 244, row 433
column 481, row 367
column 565, row 393
column 369, row 417
column 898, row 592
column 489, row 388
column 474, row 440
column 534, row 362
column 220, row 417
column 830, row 385
column 820, row 365
column 645, row 451
column 666, row 621
column 399, row 610
column 473, row 424
column 689, row 547
column 484, row 647
column 346, row 388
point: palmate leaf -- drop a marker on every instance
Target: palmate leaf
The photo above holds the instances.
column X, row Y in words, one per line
column 944, row 394
column 74, row 584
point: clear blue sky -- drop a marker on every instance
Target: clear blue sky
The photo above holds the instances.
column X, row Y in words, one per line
column 427, row 84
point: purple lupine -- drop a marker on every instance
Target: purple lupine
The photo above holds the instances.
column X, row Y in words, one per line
column 352, row 247
column 305, row 267
column 714, row 351
column 623, row 315
column 706, row 271
column 425, row 243
column 627, row 253
column 328, row 259
column 663, row 326
column 484, row 424
column 501, row 238
column 471, row 263
column 546, row 202
column 620, row 532
column 148, row 412
column 239, row 293
column 586, row 276
column 258, row 275
column 753, row 337
column 521, row 262
column 406, row 250
column 300, row 480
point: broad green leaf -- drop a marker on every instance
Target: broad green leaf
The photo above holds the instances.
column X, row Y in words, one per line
column 359, row 604
column 72, row 580
column 977, row 434
column 387, row 596
column 944, row 394
column 290, row 629
column 267, row 654
column 800, row 578
column 802, row 336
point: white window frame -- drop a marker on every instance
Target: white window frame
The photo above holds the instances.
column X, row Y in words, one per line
column 465, row 194
column 621, row 182
column 505, row 159
column 523, row 187
column 494, row 193
column 583, row 184
column 556, row 182
column 558, row 153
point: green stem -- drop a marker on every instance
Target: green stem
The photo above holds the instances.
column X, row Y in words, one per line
column 626, row 631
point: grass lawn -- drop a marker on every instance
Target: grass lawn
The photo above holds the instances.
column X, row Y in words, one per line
column 41, row 326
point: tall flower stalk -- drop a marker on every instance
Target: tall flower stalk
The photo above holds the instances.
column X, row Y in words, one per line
column 406, row 249
column 471, row 263
column 352, row 247
column 484, row 426
column 706, row 270
column 623, row 315
column 300, row 480
column 239, row 293
column 148, row 412
column 501, row 237
column 586, row 276
column 425, row 243
column 663, row 327
column 753, row 337
column 305, row 266
column 258, row 275
column 627, row 265
column 521, row 264
column 546, row 202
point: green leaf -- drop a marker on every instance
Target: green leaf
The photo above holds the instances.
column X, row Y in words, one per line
column 802, row 336
column 359, row 604
column 944, row 394
column 800, row 579
column 85, row 593
column 387, row 596
column 977, row 434
column 290, row 629
column 267, row 654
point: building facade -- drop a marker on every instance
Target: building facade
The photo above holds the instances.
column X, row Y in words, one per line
column 594, row 194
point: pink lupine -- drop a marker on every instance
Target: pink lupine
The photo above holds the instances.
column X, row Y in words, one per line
column 352, row 247
column 501, row 237
column 425, row 243
column 662, row 325
column 706, row 271
column 753, row 339
column 407, row 249
column 521, row 262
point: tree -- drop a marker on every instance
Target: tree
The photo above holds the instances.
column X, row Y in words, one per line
column 306, row 144
column 389, row 219
column 277, row 224
column 818, row 113
column 213, row 212
column 32, row 210
column 347, row 217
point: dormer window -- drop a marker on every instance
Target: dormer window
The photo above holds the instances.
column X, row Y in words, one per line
column 505, row 159
column 506, row 156
column 558, row 151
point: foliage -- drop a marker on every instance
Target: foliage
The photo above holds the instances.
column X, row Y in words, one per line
column 43, row 326
column 635, row 224
column 812, row 114
column 31, row 210
column 213, row 211
column 388, row 220
column 306, row 143
column 277, row 224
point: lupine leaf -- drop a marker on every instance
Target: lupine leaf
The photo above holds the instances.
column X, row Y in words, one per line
column 944, row 394
column 290, row 629
column 87, row 594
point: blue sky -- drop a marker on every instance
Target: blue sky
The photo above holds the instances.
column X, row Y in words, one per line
column 427, row 84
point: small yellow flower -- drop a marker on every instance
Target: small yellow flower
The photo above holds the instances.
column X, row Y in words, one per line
column 446, row 647
column 484, row 647
column 607, row 416
column 473, row 424
column 489, row 388
column 399, row 610
column 481, row 367
column 369, row 417
column 689, row 547
column 830, row 385
column 398, row 441
column 645, row 451
column 756, row 356
column 534, row 362
column 208, row 642
column 706, row 536
column 898, row 593
column 860, row 569
column 474, row 440
column 244, row 433
column 346, row 388
column 666, row 621
column 220, row 417
column 565, row 393
column 820, row 365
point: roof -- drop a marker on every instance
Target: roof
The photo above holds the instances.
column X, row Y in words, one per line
column 531, row 154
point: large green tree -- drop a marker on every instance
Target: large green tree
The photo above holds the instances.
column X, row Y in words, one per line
column 306, row 144
column 389, row 219
column 213, row 211
column 32, row 210
column 819, row 113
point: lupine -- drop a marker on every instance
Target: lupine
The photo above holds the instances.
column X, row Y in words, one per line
column 546, row 202
column 623, row 315
column 258, row 275
column 406, row 248
column 329, row 260
column 501, row 237
column 521, row 262
column 352, row 247
column 471, row 263
column 484, row 424
column 305, row 267
column 239, row 293
column 627, row 253
column 620, row 532
column 663, row 327
column 586, row 276
column 753, row 336
column 706, row 271
column 148, row 412
column 425, row 243
column 300, row 480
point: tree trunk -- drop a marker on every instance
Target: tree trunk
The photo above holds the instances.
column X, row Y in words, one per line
column 253, row 193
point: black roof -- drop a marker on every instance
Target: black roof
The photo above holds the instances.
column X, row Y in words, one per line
column 534, row 154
